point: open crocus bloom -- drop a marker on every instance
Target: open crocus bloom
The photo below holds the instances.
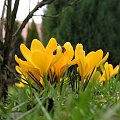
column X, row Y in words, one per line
column 65, row 61
column 108, row 71
column 38, row 59
column 87, row 63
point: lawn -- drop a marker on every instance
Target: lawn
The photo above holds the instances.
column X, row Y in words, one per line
column 64, row 101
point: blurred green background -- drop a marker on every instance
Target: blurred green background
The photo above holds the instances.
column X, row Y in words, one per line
column 94, row 23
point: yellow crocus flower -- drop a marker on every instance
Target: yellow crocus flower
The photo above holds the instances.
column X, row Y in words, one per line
column 39, row 59
column 87, row 63
column 65, row 60
column 108, row 71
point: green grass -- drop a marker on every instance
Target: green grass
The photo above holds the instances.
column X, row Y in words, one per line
column 96, row 102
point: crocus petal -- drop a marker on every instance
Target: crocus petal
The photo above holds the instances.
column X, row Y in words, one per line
column 97, row 56
column 90, row 55
column 51, row 46
column 103, row 60
column 57, row 56
column 79, row 48
column 69, row 53
column 22, row 63
column 62, row 70
column 91, row 63
column 108, row 68
column 73, row 62
column 103, row 78
column 36, row 45
column 20, row 85
column 115, row 71
column 83, row 67
column 25, row 52
column 81, row 60
column 41, row 60
column 18, row 69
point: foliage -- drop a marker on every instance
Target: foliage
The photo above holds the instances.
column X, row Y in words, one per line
column 95, row 24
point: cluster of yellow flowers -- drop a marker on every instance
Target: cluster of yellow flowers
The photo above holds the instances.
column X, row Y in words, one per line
column 53, row 60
